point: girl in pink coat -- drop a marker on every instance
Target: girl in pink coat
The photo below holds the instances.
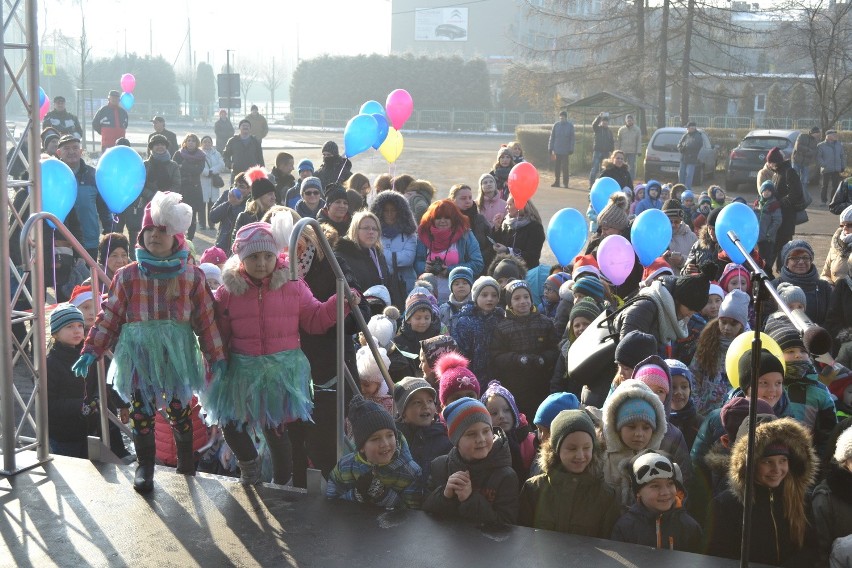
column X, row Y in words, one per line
column 268, row 382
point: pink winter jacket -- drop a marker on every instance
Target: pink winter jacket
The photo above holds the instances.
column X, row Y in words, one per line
column 262, row 320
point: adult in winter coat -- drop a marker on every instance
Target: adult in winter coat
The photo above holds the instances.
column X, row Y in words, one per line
column 214, row 165
column 259, row 126
column 192, row 162
column 617, row 168
column 782, row 533
column 838, row 321
column 335, row 168
column 789, row 192
column 361, row 248
column 243, row 151
column 399, row 235
column 419, row 194
column 462, row 196
column 336, row 211
column 805, row 153
column 561, row 146
column 836, row 266
column 603, row 146
column 832, row 499
column 227, row 209
column 689, row 147
column 444, row 242
column 799, row 270
column 630, row 141
column 832, row 161
column 223, row 129
column 521, row 233
column 61, row 120
column 110, row 121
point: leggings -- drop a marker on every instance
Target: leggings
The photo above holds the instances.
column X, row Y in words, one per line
column 142, row 423
column 240, row 441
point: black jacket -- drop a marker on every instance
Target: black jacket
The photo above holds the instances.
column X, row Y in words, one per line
column 621, row 175
column 690, row 146
column 426, row 444
column 224, row 130
column 66, row 394
column 226, row 215
column 336, row 169
column 525, row 242
column 361, row 264
column 604, row 141
column 672, row 530
column 495, row 485
column 240, row 156
column 788, row 189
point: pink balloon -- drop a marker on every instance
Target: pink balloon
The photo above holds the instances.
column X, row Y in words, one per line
column 616, row 258
column 128, row 82
column 44, row 109
column 398, row 107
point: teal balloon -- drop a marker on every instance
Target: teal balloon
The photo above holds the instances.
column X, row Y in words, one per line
column 382, row 121
column 566, row 234
column 650, row 235
column 739, row 218
column 120, row 176
column 126, row 101
column 359, row 134
column 601, row 190
column 58, row 188
column 372, row 107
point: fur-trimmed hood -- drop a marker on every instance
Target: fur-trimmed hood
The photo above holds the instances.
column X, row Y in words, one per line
column 405, row 218
column 238, row 283
column 627, row 390
column 803, row 459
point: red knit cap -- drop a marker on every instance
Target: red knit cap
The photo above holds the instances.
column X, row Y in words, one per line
column 454, row 376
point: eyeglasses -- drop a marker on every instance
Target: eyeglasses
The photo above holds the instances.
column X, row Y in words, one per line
column 312, row 193
column 800, row 259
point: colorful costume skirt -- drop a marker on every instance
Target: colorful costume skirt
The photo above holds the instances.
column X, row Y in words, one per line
column 262, row 390
column 161, row 359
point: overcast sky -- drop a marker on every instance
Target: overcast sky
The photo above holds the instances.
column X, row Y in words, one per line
column 257, row 29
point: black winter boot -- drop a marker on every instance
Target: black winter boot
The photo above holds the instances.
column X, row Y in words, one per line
column 185, row 453
column 145, row 450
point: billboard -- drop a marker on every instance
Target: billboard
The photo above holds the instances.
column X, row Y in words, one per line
column 440, row 24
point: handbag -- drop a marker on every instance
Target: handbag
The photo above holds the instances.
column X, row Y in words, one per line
column 215, row 179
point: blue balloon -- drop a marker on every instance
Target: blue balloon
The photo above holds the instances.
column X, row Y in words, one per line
column 58, row 188
column 359, row 134
column 739, row 218
column 372, row 107
column 126, row 101
column 601, row 190
column 42, row 96
column 566, row 234
column 650, row 235
column 382, row 121
column 120, row 176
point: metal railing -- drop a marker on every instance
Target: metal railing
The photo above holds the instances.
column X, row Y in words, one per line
column 344, row 294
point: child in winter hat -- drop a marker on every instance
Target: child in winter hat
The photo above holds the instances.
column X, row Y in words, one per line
column 420, row 323
column 381, row 471
column 735, row 277
column 455, row 379
column 373, row 384
column 550, row 408
column 589, row 286
column 506, row 416
column 735, row 306
column 793, row 296
column 478, row 465
column 213, row 255
column 417, row 420
column 461, row 283
column 474, row 330
column 213, row 275
column 430, row 351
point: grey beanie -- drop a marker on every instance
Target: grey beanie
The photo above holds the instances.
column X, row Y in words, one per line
column 796, row 244
column 791, row 293
column 367, row 418
column 481, row 283
column 846, row 215
column 568, row 422
column 311, row 181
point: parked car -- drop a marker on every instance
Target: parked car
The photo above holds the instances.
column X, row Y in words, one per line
column 662, row 159
column 748, row 158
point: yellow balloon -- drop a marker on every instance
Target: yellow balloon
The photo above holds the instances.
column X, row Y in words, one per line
column 738, row 348
column 391, row 148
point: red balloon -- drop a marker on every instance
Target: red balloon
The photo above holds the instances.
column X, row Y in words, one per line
column 523, row 183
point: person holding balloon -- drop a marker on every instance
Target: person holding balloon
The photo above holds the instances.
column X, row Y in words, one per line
column 110, row 121
column 521, row 233
column 192, row 162
column 335, row 168
column 446, row 241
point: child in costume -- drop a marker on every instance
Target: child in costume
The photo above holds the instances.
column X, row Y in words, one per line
column 157, row 314
column 260, row 312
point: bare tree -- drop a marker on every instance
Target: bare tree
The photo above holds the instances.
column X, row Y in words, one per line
column 249, row 73
column 271, row 78
column 821, row 35
column 79, row 45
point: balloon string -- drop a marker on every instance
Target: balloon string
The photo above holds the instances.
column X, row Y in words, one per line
column 109, row 244
column 343, row 167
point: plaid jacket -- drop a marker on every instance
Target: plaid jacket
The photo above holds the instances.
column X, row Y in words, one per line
column 133, row 298
column 401, row 478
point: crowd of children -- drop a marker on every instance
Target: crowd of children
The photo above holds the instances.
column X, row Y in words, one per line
column 659, row 461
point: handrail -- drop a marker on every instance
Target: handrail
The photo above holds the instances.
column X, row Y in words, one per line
column 344, row 293
column 97, row 274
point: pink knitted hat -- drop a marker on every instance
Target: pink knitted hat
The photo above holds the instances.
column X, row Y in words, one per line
column 454, row 376
column 252, row 238
column 213, row 255
column 653, row 376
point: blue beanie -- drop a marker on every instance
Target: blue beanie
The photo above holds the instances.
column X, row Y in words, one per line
column 305, row 164
column 495, row 388
column 462, row 272
column 590, row 286
column 686, row 195
column 634, row 409
column 63, row 315
column 553, row 405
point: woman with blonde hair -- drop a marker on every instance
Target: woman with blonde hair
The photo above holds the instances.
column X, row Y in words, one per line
column 361, row 248
column 521, row 233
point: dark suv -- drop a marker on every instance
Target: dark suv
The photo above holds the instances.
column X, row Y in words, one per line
column 749, row 157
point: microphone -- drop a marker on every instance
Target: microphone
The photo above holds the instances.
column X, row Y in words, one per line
column 816, row 339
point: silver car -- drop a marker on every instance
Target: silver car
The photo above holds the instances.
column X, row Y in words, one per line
column 662, row 159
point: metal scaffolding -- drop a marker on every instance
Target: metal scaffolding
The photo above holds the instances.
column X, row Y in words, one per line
column 23, row 440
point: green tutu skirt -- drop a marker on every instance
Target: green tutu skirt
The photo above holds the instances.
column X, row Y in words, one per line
column 161, row 359
column 262, row 390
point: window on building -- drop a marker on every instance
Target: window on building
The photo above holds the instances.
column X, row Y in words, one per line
column 760, row 102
